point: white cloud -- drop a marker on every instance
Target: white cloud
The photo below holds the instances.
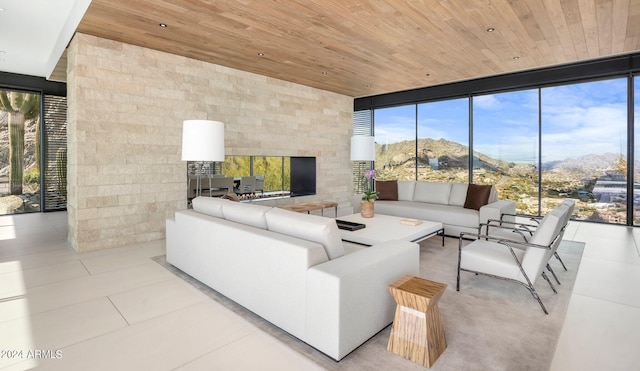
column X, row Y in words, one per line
column 577, row 120
column 487, row 102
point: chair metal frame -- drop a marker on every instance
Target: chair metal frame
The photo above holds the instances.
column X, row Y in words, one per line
column 523, row 228
column 508, row 243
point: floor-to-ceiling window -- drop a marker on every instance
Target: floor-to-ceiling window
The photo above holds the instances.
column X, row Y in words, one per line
column 54, row 153
column 505, row 146
column 443, row 140
column 584, row 148
column 636, row 141
column 395, row 136
column 33, row 144
column 20, row 160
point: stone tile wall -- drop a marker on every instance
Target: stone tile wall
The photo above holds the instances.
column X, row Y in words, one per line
column 126, row 107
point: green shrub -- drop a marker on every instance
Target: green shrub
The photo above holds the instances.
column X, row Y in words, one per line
column 32, row 176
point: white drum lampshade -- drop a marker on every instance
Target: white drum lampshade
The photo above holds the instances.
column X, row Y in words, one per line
column 202, row 140
column 363, row 148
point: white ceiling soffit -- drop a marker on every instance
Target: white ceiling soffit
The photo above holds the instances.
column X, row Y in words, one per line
column 35, row 33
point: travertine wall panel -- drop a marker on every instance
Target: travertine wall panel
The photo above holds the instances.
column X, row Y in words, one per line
column 126, row 107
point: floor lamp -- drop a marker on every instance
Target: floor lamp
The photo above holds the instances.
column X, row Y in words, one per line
column 362, row 149
column 202, row 140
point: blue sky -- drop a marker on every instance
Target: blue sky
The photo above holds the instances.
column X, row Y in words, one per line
column 577, row 119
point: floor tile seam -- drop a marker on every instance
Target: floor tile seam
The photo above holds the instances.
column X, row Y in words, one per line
column 42, row 267
column 627, row 305
column 119, row 311
column 22, row 247
column 145, row 286
column 612, row 260
column 222, row 346
column 608, row 240
column 35, row 287
column 21, row 235
column 107, row 296
column 635, row 243
column 88, row 285
column 596, row 260
column 201, row 296
column 142, row 261
column 128, row 325
column 105, row 253
column 89, row 338
column 62, row 281
column 53, row 309
column 133, row 253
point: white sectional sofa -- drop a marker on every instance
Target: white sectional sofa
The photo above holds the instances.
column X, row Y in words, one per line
column 440, row 202
column 291, row 269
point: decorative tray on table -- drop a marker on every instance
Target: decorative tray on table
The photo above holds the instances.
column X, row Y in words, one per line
column 349, row 226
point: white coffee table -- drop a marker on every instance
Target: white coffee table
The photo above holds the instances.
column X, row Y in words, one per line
column 383, row 228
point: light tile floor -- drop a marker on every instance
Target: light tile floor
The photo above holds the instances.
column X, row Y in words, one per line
column 114, row 309
column 117, row 309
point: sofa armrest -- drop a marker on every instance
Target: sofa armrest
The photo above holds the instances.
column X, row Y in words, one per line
column 495, row 210
column 348, row 299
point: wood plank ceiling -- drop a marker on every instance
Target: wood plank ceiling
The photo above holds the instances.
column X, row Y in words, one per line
column 367, row 47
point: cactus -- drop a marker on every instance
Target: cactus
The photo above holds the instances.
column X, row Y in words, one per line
column 21, row 107
column 61, row 172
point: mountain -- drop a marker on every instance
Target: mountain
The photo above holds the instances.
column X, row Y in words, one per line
column 586, row 165
column 442, row 153
column 445, row 154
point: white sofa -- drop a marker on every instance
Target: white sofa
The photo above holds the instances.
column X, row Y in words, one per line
column 440, row 202
column 291, row 269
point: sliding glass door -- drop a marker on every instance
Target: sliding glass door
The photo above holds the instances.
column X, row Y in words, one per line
column 584, row 149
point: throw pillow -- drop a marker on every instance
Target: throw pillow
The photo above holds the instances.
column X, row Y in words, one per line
column 477, row 196
column 387, row 190
column 231, row 196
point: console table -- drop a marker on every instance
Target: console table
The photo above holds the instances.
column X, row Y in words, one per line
column 308, row 207
column 417, row 333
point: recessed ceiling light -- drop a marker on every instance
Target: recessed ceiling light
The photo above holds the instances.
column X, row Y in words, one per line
column 516, row 58
column 260, row 54
column 163, row 25
column 490, row 29
column 324, row 73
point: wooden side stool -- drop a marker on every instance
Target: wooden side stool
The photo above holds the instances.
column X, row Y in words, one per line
column 417, row 333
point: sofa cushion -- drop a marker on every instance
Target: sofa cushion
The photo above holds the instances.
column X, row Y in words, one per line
column 308, row 227
column 252, row 215
column 477, row 196
column 458, row 194
column 211, row 206
column 493, row 196
column 432, row 192
column 387, row 190
column 446, row 214
column 405, row 190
